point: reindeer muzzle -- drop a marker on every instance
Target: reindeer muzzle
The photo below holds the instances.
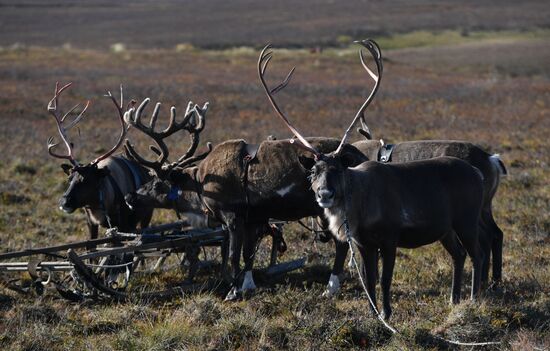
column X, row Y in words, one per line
column 325, row 198
column 64, row 205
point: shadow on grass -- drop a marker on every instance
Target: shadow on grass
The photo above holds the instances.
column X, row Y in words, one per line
column 304, row 278
column 6, row 302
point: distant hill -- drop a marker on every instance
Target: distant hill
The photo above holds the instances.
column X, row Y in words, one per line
column 222, row 23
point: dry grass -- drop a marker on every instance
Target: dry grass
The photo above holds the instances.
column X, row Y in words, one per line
column 503, row 109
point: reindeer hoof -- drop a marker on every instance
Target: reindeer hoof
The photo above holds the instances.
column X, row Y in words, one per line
column 455, row 300
column 333, row 286
column 386, row 314
column 495, row 286
column 233, row 295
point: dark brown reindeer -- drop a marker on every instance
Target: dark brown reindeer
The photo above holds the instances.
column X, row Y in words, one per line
column 386, row 206
column 238, row 184
column 491, row 167
column 99, row 186
column 168, row 194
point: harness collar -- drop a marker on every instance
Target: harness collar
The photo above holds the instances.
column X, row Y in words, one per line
column 174, row 193
column 135, row 173
column 198, row 188
column 384, row 154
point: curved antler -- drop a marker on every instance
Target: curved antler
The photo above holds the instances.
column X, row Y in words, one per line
column 376, row 53
column 59, row 120
column 193, row 122
column 189, row 161
column 123, row 126
column 263, row 61
column 194, row 127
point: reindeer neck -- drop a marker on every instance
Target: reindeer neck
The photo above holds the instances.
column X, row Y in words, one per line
column 191, row 199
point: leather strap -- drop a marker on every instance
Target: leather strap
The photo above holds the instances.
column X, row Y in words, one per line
column 135, row 173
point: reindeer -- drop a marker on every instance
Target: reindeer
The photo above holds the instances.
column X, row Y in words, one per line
column 385, row 206
column 99, row 186
column 491, row 166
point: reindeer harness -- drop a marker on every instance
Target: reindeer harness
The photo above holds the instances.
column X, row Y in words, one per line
column 384, row 155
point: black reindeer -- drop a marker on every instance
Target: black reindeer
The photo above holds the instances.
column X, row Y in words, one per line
column 99, row 186
column 385, row 206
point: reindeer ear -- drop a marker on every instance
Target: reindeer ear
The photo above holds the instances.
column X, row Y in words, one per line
column 182, row 179
column 365, row 132
column 348, row 160
column 351, row 156
column 306, row 162
column 104, row 172
column 67, row 168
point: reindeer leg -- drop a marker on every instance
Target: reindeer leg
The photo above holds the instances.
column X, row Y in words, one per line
column 249, row 251
column 333, row 286
column 369, row 255
column 144, row 217
column 236, row 229
column 485, row 240
column 453, row 247
column 496, row 244
column 388, row 262
column 470, row 241
column 477, row 261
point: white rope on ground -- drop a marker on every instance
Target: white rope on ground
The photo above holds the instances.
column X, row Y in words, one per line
column 379, row 316
column 459, row 343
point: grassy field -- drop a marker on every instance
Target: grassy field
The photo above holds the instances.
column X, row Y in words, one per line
column 489, row 88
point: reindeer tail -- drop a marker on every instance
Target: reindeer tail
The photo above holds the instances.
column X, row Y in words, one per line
column 497, row 162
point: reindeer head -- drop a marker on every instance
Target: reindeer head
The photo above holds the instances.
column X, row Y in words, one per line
column 327, row 176
column 84, row 180
column 157, row 193
column 328, row 171
column 166, row 189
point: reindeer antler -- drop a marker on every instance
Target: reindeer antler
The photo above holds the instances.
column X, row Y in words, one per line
column 376, row 53
column 62, row 129
column 263, row 61
column 123, row 126
column 193, row 122
column 59, row 120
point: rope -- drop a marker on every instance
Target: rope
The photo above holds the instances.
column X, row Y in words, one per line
column 378, row 315
column 486, row 343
